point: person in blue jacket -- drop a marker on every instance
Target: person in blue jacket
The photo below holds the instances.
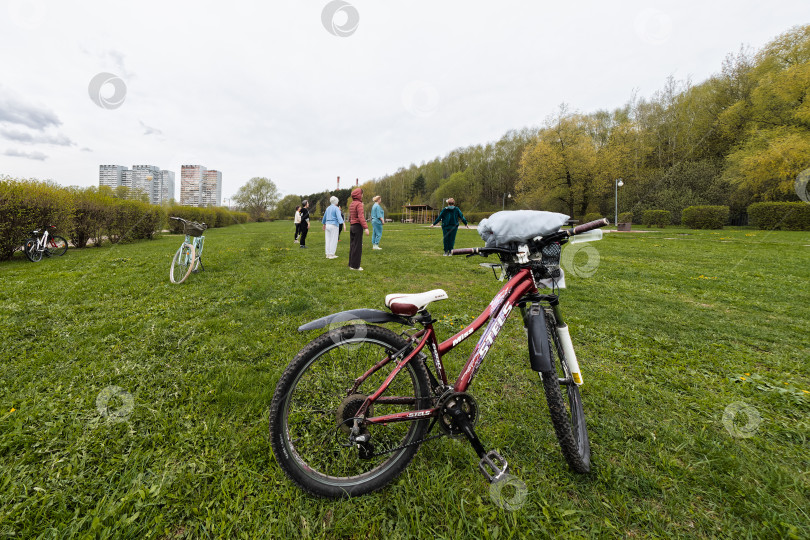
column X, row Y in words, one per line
column 377, row 220
column 332, row 220
column 450, row 216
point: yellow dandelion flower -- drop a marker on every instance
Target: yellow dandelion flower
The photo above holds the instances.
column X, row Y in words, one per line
column 748, row 374
column 805, row 391
column 743, row 378
column 12, row 410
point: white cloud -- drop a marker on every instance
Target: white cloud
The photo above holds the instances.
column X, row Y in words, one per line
column 38, row 156
column 35, row 138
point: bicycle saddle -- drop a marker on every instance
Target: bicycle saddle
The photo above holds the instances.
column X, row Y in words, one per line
column 410, row 304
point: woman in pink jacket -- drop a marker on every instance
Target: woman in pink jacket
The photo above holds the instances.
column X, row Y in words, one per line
column 358, row 224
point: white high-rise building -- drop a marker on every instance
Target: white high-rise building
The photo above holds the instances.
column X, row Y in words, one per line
column 147, row 179
column 211, row 193
column 110, row 175
column 191, row 182
column 156, row 183
column 166, row 186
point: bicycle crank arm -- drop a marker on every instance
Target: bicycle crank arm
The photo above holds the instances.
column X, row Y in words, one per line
column 492, row 465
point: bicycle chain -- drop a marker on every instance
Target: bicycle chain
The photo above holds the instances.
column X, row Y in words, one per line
column 415, row 443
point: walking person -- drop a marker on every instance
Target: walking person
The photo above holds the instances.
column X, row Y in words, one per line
column 357, row 222
column 450, row 216
column 332, row 221
column 377, row 221
column 304, row 223
column 297, row 221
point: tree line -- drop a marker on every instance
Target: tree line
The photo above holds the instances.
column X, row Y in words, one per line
column 740, row 137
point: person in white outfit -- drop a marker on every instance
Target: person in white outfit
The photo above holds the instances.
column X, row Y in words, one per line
column 297, row 221
column 332, row 219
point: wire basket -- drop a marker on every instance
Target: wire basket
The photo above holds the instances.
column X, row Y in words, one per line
column 192, row 228
column 551, row 255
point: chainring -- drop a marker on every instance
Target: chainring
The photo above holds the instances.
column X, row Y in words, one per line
column 462, row 401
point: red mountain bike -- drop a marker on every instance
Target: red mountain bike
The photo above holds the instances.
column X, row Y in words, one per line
column 353, row 406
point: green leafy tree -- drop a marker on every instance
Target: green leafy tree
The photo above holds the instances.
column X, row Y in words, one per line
column 258, row 197
column 285, row 208
column 418, row 186
column 557, row 170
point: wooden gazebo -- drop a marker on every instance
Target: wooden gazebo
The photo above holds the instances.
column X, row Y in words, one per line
column 418, row 213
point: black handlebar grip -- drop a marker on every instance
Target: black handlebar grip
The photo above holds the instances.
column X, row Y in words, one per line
column 464, row 251
column 591, row 225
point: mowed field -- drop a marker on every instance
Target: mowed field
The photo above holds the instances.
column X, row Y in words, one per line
column 134, row 408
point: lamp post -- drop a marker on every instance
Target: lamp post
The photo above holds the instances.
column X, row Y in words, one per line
column 618, row 183
column 503, row 202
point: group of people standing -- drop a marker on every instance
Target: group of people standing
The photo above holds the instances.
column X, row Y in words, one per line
column 333, row 224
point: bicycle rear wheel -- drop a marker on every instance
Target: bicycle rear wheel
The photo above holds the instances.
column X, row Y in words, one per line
column 182, row 263
column 56, row 246
column 313, row 410
column 32, row 250
column 565, row 405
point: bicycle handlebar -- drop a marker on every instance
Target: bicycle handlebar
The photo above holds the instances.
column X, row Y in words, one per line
column 559, row 236
column 591, row 225
column 187, row 221
column 482, row 251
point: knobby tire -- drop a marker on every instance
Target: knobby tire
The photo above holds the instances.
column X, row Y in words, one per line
column 310, row 404
column 565, row 405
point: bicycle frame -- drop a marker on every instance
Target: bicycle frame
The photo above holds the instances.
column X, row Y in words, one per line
column 197, row 242
column 42, row 241
column 496, row 312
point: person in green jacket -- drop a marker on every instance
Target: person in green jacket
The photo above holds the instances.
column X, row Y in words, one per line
column 449, row 216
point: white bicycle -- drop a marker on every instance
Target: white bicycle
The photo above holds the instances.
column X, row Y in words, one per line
column 188, row 257
column 44, row 243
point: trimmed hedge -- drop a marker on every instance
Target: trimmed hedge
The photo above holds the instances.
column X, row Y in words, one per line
column 26, row 205
column 625, row 217
column 213, row 216
column 787, row 216
column 85, row 214
column 705, row 217
column 656, row 218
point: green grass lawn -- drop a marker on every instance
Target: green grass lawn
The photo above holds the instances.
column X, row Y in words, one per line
column 673, row 328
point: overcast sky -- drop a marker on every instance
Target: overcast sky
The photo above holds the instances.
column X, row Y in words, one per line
column 302, row 91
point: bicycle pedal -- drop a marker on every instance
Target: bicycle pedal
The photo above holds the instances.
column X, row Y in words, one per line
column 493, row 466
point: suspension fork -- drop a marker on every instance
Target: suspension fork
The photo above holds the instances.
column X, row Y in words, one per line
column 561, row 329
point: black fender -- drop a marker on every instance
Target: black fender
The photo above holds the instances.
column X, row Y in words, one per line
column 539, row 353
column 367, row 315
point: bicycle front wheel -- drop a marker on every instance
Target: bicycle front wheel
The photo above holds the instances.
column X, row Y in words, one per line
column 32, row 251
column 313, row 410
column 56, row 246
column 565, row 405
column 182, row 263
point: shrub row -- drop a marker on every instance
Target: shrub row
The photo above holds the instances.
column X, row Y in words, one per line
column 26, row 205
column 705, row 217
column 84, row 214
column 656, row 218
column 788, row 216
column 213, row 216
